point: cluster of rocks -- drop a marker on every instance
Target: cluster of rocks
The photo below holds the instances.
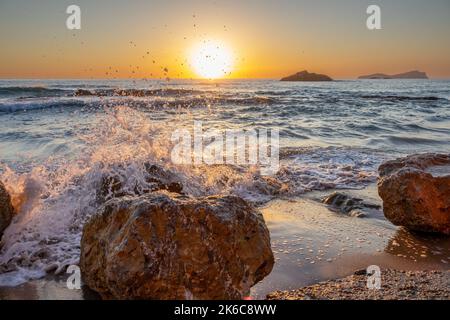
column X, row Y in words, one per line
column 166, row 246
column 158, row 243
column 154, row 242
column 415, row 191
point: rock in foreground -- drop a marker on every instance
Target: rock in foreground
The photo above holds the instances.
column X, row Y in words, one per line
column 6, row 209
column 162, row 246
column 395, row 285
column 306, row 76
column 415, row 197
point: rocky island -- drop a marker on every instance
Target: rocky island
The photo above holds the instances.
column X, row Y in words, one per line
column 306, row 76
column 406, row 75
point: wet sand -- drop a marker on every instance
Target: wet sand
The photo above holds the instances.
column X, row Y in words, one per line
column 311, row 244
column 48, row 288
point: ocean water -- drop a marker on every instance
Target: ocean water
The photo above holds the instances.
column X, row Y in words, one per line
column 59, row 138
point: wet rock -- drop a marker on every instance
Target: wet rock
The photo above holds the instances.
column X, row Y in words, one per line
column 162, row 178
column 416, row 161
column 413, row 196
column 270, row 186
column 6, row 209
column 351, row 206
column 155, row 178
column 164, row 246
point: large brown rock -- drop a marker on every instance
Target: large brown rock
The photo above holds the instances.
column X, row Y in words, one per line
column 6, row 209
column 167, row 246
column 416, row 192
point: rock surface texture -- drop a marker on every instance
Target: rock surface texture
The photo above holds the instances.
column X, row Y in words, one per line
column 416, row 192
column 6, row 209
column 167, row 246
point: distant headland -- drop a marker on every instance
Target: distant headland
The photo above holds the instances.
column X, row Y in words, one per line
column 306, row 76
column 406, row 75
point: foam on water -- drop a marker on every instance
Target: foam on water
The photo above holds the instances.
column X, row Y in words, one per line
column 54, row 157
column 55, row 199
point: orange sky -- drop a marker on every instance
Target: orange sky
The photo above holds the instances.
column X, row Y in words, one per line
column 269, row 39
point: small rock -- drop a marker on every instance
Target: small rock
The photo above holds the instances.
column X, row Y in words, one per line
column 348, row 205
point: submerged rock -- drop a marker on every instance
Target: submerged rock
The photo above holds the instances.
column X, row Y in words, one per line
column 6, row 209
column 348, row 205
column 306, row 76
column 162, row 246
column 413, row 195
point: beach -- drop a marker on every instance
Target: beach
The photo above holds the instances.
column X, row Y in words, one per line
column 70, row 146
column 313, row 244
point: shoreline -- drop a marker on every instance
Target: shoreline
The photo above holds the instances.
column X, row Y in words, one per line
column 394, row 285
column 311, row 244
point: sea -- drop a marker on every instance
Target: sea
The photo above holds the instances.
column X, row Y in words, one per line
column 60, row 138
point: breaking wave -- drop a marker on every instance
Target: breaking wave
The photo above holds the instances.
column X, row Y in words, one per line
column 55, row 199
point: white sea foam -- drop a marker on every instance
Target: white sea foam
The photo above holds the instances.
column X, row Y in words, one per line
column 56, row 198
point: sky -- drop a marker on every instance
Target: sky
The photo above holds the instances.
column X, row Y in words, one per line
column 268, row 39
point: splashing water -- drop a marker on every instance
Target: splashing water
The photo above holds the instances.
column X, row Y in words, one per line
column 58, row 145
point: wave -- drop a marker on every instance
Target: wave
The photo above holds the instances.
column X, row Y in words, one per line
column 34, row 91
column 131, row 101
column 34, row 104
column 137, row 92
column 402, row 140
column 55, row 199
column 401, row 98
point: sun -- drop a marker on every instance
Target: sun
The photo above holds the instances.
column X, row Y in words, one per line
column 211, row 59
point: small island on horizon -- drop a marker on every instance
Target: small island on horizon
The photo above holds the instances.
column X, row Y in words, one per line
column 306, row 76
column 406, row 75
column 312, row 77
